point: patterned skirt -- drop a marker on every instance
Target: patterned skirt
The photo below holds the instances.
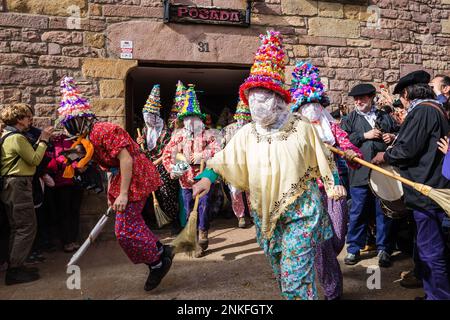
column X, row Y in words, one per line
column 167, row 194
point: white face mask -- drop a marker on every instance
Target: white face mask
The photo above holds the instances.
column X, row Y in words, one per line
column 154, row 126
column 321, row 119
column 312, row 111
column 241, row 122
column 193, row 126
column 263, row 106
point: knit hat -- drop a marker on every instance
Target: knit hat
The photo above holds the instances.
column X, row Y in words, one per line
column 191, row 106
column 72, row 104
column 242, row 112
column 268, row 68
column 306, row 85
column 153, row 104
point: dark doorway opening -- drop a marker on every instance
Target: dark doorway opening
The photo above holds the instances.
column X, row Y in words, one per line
column 217, row 88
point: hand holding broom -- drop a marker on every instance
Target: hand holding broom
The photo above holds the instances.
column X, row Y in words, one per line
column 186, row 241
column 440, row 196
column 162, row 219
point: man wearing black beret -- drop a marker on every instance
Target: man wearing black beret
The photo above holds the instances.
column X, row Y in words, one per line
column 415, row 153
column 371, row 130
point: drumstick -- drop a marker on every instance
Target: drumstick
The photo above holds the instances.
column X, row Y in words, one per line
column 374, row 167
column 440, row 196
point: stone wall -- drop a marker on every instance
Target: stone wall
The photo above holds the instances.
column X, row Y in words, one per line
column 351, row 41
column 373, row 41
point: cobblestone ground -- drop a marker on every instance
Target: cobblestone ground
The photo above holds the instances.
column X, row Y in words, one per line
column 235, row 268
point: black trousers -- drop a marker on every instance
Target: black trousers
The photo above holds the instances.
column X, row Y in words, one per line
column 67, row 204
column 4, row 236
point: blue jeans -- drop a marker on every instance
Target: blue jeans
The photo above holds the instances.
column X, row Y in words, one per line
column 363, row 203
column 432, row 253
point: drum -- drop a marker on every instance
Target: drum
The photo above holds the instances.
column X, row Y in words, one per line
column 389, row 191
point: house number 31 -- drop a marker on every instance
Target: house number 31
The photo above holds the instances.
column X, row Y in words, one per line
column 203, row 46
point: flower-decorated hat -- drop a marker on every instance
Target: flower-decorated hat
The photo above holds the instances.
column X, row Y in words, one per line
column 178, row 101
column 72, row 104
column 153, row 104
column 268, row 68
column 306, row 84
column 191, row 106
column 242, row 112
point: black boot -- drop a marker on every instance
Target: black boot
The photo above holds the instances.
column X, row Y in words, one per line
column 159, row 270
column 20, row 275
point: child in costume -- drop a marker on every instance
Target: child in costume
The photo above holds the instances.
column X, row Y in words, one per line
column 238, row 197
column 278, row 158
column 132, row 178
column 157, row 136
column 196, row 144
column 309, row 96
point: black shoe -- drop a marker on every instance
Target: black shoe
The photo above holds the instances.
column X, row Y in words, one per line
column 19, row 275
column 384, row 259
column 168, row 252
column 351, row 259
column 157, row 274
column 30, row 269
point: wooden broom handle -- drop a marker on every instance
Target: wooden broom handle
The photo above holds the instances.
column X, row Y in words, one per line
column 197, row 197
column 140, row 135
column 376, row 168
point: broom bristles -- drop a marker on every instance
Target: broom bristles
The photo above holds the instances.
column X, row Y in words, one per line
column 442, row 198
column 186, row 241
column 161, row 218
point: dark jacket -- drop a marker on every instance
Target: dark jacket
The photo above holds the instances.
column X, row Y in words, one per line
column 356, row 125
column 416, row 154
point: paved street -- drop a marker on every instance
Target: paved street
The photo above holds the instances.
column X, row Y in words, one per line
column 235, row 268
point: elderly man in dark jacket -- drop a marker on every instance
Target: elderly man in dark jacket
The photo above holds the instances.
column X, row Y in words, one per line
column 415, row 153
column 371, row 130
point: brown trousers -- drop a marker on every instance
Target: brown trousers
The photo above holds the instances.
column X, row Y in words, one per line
column 17, row 196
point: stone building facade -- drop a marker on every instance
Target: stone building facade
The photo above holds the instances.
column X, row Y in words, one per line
column 352, row 41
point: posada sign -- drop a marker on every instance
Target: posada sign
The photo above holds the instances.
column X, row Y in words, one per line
column 207, row 15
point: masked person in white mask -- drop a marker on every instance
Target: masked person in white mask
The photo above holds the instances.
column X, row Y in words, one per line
column 156, row 135
column 309, row 97
column 196, row 144
column 238, row 197
column 278, row 158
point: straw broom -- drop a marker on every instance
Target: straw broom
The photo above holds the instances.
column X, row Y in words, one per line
column 161, row 218
column 187, row 240
column 440, row 196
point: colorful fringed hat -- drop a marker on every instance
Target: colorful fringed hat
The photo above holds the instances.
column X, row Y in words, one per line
column 191, row 106
column 268, row 68
column 178, row 101
column 306, row 85
column 242, row 112
column 72, row 104
column 153, row 104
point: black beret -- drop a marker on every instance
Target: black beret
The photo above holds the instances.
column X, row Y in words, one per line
column 363, row 89
column 415, row 77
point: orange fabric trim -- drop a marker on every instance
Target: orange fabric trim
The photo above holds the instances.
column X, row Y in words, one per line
column 69, row 171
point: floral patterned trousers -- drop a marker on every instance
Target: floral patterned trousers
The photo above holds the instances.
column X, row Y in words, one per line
column 292, row 248
column 135, row 238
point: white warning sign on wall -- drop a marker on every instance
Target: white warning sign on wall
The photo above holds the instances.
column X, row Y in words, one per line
column 126, row 49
